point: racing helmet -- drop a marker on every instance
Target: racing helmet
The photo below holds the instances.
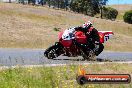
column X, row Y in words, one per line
column 87, row 24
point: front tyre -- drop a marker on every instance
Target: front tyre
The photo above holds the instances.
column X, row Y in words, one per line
column 53, row 51
column 50, row 53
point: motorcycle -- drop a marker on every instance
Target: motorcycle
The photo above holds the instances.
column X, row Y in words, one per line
column 73, row 45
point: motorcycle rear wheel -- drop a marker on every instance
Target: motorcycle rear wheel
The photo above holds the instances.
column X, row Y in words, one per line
column 90, row 57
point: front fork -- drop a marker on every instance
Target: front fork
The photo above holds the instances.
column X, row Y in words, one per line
column 59, row 49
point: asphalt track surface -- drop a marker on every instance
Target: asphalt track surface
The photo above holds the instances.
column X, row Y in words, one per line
column 12, row 57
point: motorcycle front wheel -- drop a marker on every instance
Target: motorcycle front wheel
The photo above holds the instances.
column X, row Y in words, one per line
column 53, row 51
column 50, row 52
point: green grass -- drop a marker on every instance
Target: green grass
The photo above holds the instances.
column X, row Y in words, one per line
column 59, row 76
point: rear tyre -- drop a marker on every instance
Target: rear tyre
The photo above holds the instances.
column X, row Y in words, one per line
column 90, row 57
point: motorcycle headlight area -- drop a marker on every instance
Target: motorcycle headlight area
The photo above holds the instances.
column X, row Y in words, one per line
column 67, row 35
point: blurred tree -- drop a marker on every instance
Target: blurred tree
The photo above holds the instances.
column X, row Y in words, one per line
column 109, row 13
column 128, row 17
column 88, row 7
column 101, row 4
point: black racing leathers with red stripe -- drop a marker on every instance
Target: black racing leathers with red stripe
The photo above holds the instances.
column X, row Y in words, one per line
column 92, row 38
column 91, row 35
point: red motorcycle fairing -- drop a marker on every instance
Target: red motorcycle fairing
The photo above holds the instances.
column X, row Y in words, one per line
column 105, row 35
column 101, row 35
column 80, row 37
column 65, row 43
column 60, row 36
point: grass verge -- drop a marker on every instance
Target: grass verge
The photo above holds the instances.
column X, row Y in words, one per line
column 60, row 76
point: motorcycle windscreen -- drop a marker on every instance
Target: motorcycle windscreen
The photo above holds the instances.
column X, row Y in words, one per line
column 80, row 37
column 66, row 43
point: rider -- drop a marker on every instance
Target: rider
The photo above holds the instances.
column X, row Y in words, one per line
column 92, row 36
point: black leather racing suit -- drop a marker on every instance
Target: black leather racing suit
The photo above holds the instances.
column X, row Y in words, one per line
column 93, row 39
